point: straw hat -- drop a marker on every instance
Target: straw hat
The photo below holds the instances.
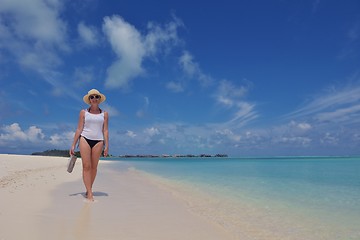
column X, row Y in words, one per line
column 93, row 92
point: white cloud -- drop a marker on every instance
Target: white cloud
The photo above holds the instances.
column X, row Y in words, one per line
column 33, row 32
column 62, row 140
column 291, row 130
column 126, row 42
column 132, row 48
column 295, row 126
column 34, row 36
column 229, row 134
column 130, row 134
column 329, row 139
column 88, row 34
column 152, row 131
column 13, row 133
column 225, row 101
column 188, row 65
column 38, row 21
column 304, row 126
column 34, row 133
column 302, row 141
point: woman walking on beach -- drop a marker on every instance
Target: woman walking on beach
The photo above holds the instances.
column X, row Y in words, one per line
column 93, row 136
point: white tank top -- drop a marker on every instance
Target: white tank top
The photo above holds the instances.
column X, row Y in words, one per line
column 93, row 126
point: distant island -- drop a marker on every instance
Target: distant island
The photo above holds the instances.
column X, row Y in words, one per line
column 53, row 153
column 173, row 156
column 65, row 153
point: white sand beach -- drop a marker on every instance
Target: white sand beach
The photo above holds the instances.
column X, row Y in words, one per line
column 41, row 200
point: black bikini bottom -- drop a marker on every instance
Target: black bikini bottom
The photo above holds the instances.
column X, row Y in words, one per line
column 91, row 143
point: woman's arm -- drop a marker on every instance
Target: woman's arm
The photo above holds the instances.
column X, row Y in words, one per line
column 106, row 133
column 78, row 132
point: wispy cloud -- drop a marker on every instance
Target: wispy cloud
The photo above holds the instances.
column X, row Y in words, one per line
column 83, row 75
column 192, row 69
column 175, row 86
column 232, row 97
column 330, row 119
column 228, row 94
column 191, row 72
column 161, row 39
column 334, row 106
column 143, row 110
column 88, row 34
column 132, row 48
column 110, row 109
column 345, row 114
column 351, row 45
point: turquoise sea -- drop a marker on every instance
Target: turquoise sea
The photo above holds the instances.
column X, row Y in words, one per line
column 264, row 198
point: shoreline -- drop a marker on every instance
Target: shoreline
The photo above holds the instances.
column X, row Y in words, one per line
column 41, row 199
column 249, row 215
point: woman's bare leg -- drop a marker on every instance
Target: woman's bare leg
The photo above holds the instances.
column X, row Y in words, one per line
column 95, row 156
column 85, row 152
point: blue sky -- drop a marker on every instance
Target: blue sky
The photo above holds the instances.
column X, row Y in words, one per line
column 279, row 77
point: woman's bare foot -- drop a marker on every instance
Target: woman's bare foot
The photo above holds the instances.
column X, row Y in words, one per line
column 90, row 196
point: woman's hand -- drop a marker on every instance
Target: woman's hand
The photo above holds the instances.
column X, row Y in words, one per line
column 72, row 151
column 106, row 152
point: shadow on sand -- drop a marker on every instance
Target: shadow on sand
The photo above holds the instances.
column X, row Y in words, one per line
column 96, row 194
